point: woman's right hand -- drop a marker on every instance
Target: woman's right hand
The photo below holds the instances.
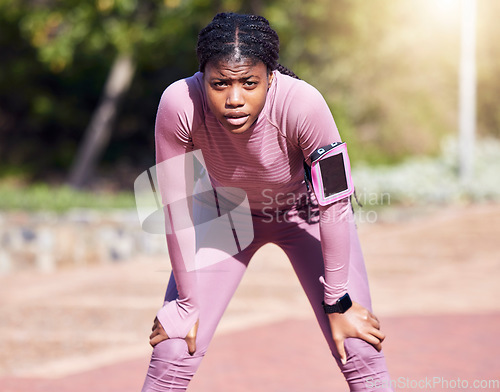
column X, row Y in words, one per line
column 159, row 335
column 357, row 322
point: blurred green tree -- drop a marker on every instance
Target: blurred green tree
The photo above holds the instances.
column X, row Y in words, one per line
column 125, row 29
column 388, row 70
column 128, row 31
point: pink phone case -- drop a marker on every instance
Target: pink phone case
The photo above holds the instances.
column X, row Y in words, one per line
column 317, row 178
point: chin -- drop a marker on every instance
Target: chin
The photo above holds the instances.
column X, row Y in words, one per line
column 238, row 130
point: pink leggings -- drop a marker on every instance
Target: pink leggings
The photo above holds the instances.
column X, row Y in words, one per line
column 171, row 367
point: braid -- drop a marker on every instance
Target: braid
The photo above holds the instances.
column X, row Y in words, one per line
column 235, row 36
column 285, row 71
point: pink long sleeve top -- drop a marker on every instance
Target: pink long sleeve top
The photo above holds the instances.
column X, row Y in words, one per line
column 266, row 162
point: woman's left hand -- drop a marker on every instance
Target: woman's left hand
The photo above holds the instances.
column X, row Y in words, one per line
column 159, row 335
column 357, row 322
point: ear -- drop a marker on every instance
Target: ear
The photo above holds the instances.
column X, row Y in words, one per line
column 270, row 79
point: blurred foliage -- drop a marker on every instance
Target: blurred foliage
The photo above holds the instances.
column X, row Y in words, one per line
column 387, row 68
column 431, row 180
column 42, row 196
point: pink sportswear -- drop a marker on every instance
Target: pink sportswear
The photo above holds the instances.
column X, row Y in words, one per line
column 267, row 163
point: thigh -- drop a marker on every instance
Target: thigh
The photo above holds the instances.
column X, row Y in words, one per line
column 216, row 284
column 171, row 366
column 302, row 245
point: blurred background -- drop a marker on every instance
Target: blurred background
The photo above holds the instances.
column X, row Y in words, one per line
column 80, row 82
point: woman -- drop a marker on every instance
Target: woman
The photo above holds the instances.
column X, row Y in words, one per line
column 254, row 123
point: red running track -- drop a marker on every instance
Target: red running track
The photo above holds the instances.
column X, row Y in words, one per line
column 437, row 353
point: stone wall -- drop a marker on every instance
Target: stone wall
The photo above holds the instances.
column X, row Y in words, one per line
column 47, row 241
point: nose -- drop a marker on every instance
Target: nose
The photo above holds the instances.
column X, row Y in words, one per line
column 235, row 97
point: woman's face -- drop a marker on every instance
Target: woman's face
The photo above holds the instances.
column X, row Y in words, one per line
column 236, row 92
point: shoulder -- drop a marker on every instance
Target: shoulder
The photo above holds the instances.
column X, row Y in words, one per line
column 297, row 104
column 184, row 95
column 180, row 110
column 294, row 90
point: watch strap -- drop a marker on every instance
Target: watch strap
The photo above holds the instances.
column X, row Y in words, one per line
column 341, row 306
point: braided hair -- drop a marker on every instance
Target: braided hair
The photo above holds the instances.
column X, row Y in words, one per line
column 235, row 36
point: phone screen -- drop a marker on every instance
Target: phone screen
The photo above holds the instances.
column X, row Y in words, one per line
column 333, row 174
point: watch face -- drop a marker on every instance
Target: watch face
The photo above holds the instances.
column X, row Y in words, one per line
column 345, row 303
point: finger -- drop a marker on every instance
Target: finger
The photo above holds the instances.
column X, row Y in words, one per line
column 378, row 334
column 158, row 331
column 373, row 340
column 374, row 321
column 378, row 346
column 155, row 324
column 191, row 343
column 339, row 343
column 157, row 339
column 191, row 338
column 375, row 317
column 154, row 333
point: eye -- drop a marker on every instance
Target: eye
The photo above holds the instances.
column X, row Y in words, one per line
column 219, row 84
column 250, row 83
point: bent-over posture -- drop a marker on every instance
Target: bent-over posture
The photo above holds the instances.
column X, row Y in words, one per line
column 253, row 123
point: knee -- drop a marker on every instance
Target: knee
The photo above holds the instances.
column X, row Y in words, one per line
column 170, row 350
column 175, row 352
column 171, row 367
column 366, row 368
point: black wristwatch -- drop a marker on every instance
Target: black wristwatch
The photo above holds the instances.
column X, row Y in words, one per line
column 341, row 306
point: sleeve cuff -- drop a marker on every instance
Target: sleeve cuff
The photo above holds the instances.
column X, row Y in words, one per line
column 332, row 294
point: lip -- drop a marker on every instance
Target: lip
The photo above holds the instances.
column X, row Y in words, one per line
column 236, row 118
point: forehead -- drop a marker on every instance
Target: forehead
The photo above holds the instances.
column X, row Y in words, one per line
column 230, row 68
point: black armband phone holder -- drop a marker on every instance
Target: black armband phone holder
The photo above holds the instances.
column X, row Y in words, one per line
column 330, row 173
